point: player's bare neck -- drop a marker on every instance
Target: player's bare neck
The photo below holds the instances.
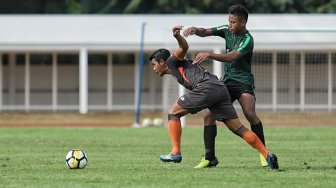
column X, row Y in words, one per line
column 241, row 32
column 167, row 70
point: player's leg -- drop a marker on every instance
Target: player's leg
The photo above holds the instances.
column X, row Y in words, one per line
column 221, row 109
column 247, row 102
column 192, row 102
column 175, row 132
column 251, row 138
column 244, row 93
column 209, row 137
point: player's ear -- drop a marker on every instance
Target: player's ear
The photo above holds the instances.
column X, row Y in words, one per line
column 162, row 62
column 243, row 22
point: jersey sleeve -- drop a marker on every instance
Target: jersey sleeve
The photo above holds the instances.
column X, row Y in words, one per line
column 246, row 45
column 220, row 31
column 174, row 64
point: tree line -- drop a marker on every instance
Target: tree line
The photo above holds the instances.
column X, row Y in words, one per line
column 163, row 6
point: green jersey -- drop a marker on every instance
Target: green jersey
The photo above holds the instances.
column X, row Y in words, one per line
column 239, row 70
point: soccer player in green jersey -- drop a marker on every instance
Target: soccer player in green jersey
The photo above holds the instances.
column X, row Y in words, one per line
column 238, row 76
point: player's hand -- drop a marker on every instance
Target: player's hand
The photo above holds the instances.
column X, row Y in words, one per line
column 177, row 29
column 189, row 31
column 200, row 57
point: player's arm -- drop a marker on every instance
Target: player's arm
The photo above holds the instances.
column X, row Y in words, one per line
column 228, row 57
column 201, row 32
column 244, row 48
column 183, row 44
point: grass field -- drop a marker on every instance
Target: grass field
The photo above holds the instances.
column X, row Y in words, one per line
column 126, row 157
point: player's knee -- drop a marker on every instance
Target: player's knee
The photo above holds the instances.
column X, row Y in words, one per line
column 175, row 109
column 172, row 110
column 208, row 119
column 250, row 116
column 174, row 117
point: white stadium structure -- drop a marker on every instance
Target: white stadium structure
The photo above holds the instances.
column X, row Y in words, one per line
column 89, row 63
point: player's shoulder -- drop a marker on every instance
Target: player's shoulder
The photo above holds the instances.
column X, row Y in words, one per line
column 221, row 27
column 221, row 30
column 173, row 60
column 248, row 34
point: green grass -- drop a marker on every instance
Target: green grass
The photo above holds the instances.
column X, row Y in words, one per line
column 125, row 157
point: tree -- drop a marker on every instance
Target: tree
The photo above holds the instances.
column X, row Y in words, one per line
column 162, row 6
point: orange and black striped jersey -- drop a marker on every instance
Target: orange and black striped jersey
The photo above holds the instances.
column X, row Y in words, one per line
column 189, row 75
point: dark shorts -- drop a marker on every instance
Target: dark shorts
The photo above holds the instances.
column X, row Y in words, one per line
column 214, row 97
column 236, row 89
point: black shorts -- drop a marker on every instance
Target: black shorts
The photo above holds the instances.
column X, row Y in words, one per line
column 214, row 97
column 236, row 89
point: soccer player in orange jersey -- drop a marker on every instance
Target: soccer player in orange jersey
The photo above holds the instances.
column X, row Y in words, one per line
column 205, row 92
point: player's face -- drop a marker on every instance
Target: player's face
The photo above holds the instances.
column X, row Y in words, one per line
column 236, row 25
column 158, row 67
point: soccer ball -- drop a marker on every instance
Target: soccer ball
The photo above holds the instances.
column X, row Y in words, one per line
column 76, row 159
column 158, row 122
column 147, row 122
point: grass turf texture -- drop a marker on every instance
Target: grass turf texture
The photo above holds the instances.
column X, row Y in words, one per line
column 126, row 157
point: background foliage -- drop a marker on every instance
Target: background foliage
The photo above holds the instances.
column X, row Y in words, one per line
column 162, row 6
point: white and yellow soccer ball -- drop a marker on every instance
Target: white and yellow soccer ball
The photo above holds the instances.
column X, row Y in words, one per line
column 147, row 122
column 76, row 159
column 157, row 122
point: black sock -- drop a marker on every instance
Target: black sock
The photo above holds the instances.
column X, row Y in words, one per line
column 259, row 131
column 209, row 135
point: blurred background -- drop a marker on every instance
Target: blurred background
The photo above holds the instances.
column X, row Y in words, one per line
column 85, row 57
column 163, row 6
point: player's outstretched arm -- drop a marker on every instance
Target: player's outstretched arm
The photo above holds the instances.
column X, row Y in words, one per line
column 229, row 57
column 183, row 44
column 201, row 32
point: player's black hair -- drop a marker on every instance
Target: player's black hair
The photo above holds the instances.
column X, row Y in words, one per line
column 160, row 54
column 240, row 11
